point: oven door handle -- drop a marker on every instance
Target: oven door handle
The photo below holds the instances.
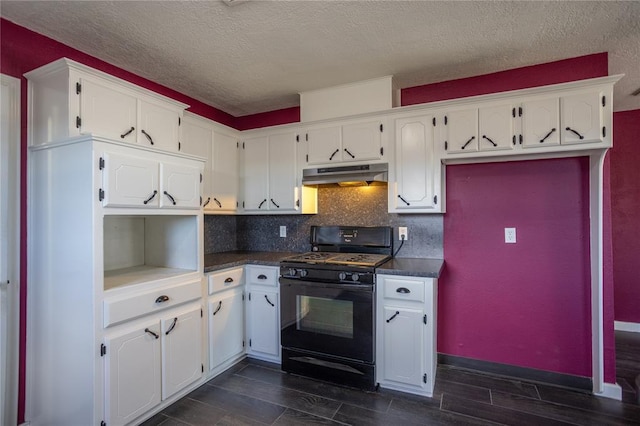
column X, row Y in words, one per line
column 313, row 284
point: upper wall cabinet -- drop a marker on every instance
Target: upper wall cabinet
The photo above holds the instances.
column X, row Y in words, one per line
column 69, row 99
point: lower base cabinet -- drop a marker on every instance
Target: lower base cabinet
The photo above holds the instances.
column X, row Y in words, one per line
column 263, row 313
column 406, row 333
column 226, row 326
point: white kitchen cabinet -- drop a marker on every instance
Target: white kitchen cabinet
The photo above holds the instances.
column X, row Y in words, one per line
column 582, row 118
column 197, row 139
column 416, row 181
column 180, row 186
column 69, row 99
column 226, row 327
column 460, row 130
column 540, row 122
column 496, row 124
column 263, row 312
column 225, row 173
column 406, row 333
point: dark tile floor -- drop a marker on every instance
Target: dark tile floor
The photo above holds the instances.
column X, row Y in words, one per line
column 258, row 393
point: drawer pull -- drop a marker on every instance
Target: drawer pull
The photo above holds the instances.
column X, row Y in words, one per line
column 162, row 299
column 127, row 133
column 403, row 290
column 218, row 308
column 262, row 277
column 146, row 330
column 228, row 280
column 269, row 301
column 173, row 201
column 150, row 197
column 393, row 316
column 173, row 325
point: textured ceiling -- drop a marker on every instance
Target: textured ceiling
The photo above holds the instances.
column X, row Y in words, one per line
column 257, row 55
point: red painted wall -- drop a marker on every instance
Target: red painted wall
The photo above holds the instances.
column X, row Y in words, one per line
column 625, row 212
column 266, row 119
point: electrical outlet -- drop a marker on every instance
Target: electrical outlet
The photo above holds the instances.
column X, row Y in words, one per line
column 402, row 231
column 510, row 235
column 283, row 231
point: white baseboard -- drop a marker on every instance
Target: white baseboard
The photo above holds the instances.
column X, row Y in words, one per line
column 633, row 327
column 612, row 391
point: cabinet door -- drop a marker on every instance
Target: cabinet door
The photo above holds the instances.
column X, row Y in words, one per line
column 582, row 118
column 404, row 346
column 132, row 373
column 256, row 174
column 461, row 131
column 130, row 181
column 159, row 126
column 226, row 327
column 224, row 195
column 180, row 186
column 540, row 123
column 106, row 111
column 496, row 126
column 263, row 327
column 197, row 139
column 417, row 171
column 181, row 351
column 283, row 191
column 362, row 141
column 323, row 145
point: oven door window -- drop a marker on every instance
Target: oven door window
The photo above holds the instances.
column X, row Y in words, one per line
column 325, row 316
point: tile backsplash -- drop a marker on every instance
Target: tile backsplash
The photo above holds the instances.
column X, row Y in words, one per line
column 348, row 206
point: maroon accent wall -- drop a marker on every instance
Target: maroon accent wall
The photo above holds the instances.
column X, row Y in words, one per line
column 266, row 119
column 625, row 212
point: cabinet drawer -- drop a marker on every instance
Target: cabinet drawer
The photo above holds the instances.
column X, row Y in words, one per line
column 125, row 308
column 225, row 279
column 403, row 289
column 262, row 275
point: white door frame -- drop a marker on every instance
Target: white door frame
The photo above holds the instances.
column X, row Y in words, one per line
column 9, row 248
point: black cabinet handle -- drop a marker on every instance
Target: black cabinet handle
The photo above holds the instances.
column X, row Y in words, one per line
column 127, row 133
column 405, row 201
column 162, row 299
column 218, row 308
column 148, row 136
column 514, row 139
column 146, row 330
column 393, row 316
column 274, row 203
column 263, row 201
column 547, row 135
column 173, row 325
column 403, row 290
column 206, row 202
column 217, row 202
column 489, row 139
column 170, row 197
column 262, row 277
column 578, row 134
column 468, row 142
column 150, row 198
column 347, row 151
column 334, row 153
column 268, row 301
column 228, row 280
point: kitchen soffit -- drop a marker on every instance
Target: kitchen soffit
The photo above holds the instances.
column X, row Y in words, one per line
column 257, row 55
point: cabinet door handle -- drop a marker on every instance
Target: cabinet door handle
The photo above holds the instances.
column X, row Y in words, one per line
column 405, row 201
column 218, row 308
column 170, row 197
column 547, row 135
column 228, row 280
column 393, row 316
column 150, row 198
column 206, row 202
column 127, row 133
column 217, row 202
column 574, row 131
column 347, row 151
column 173, row 325
column 163, row 298
column 468, row 142
column 334, row 153
column 148, row 136
column 262, row 277
column 146, row 330
column 263, row 201
column 274, row 203
column 403, row 290
column 489, row 139
column 268, row 301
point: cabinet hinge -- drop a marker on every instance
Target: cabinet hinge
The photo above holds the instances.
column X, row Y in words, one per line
column 381, row 128
column 202, row 366
column 519, row 111
column 179, row 146
column 249, row 342
column 307, row 158
column 101, row 163
column 446, row 120
column 249, row 296
column 243, row 297
column 243, row 204
column 79, row 88
column 237, row 144
column 243, row 343
column 520, row 138
column 513, row 112
column 297, row 138
column 179, row 121
column 433, row 120
column 242, row 145
column 201, row 313
column 103, row 349
column 297, row 203
column 604, row 131
column 435, row 199
column 424, row 378
column 424, row 319
column 306, row 137
column 381, row 150
column 604, row 101
column 78, row 121
column 446, row 145
column 200, row 177
column 100, row 194
column 103, row 423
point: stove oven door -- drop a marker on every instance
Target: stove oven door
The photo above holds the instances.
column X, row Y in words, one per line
column 331, row 319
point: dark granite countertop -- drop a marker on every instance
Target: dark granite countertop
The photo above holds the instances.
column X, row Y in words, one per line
column 415, row 267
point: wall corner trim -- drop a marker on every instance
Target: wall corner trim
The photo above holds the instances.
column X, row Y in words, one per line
column 633, row 327
column 611, row 391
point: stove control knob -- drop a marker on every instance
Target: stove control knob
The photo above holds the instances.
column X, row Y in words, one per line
column 355, row 276
column 303, row 273
column 342, row 276
column 292, row 272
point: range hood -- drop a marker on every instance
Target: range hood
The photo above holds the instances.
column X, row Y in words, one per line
column 346, row 175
